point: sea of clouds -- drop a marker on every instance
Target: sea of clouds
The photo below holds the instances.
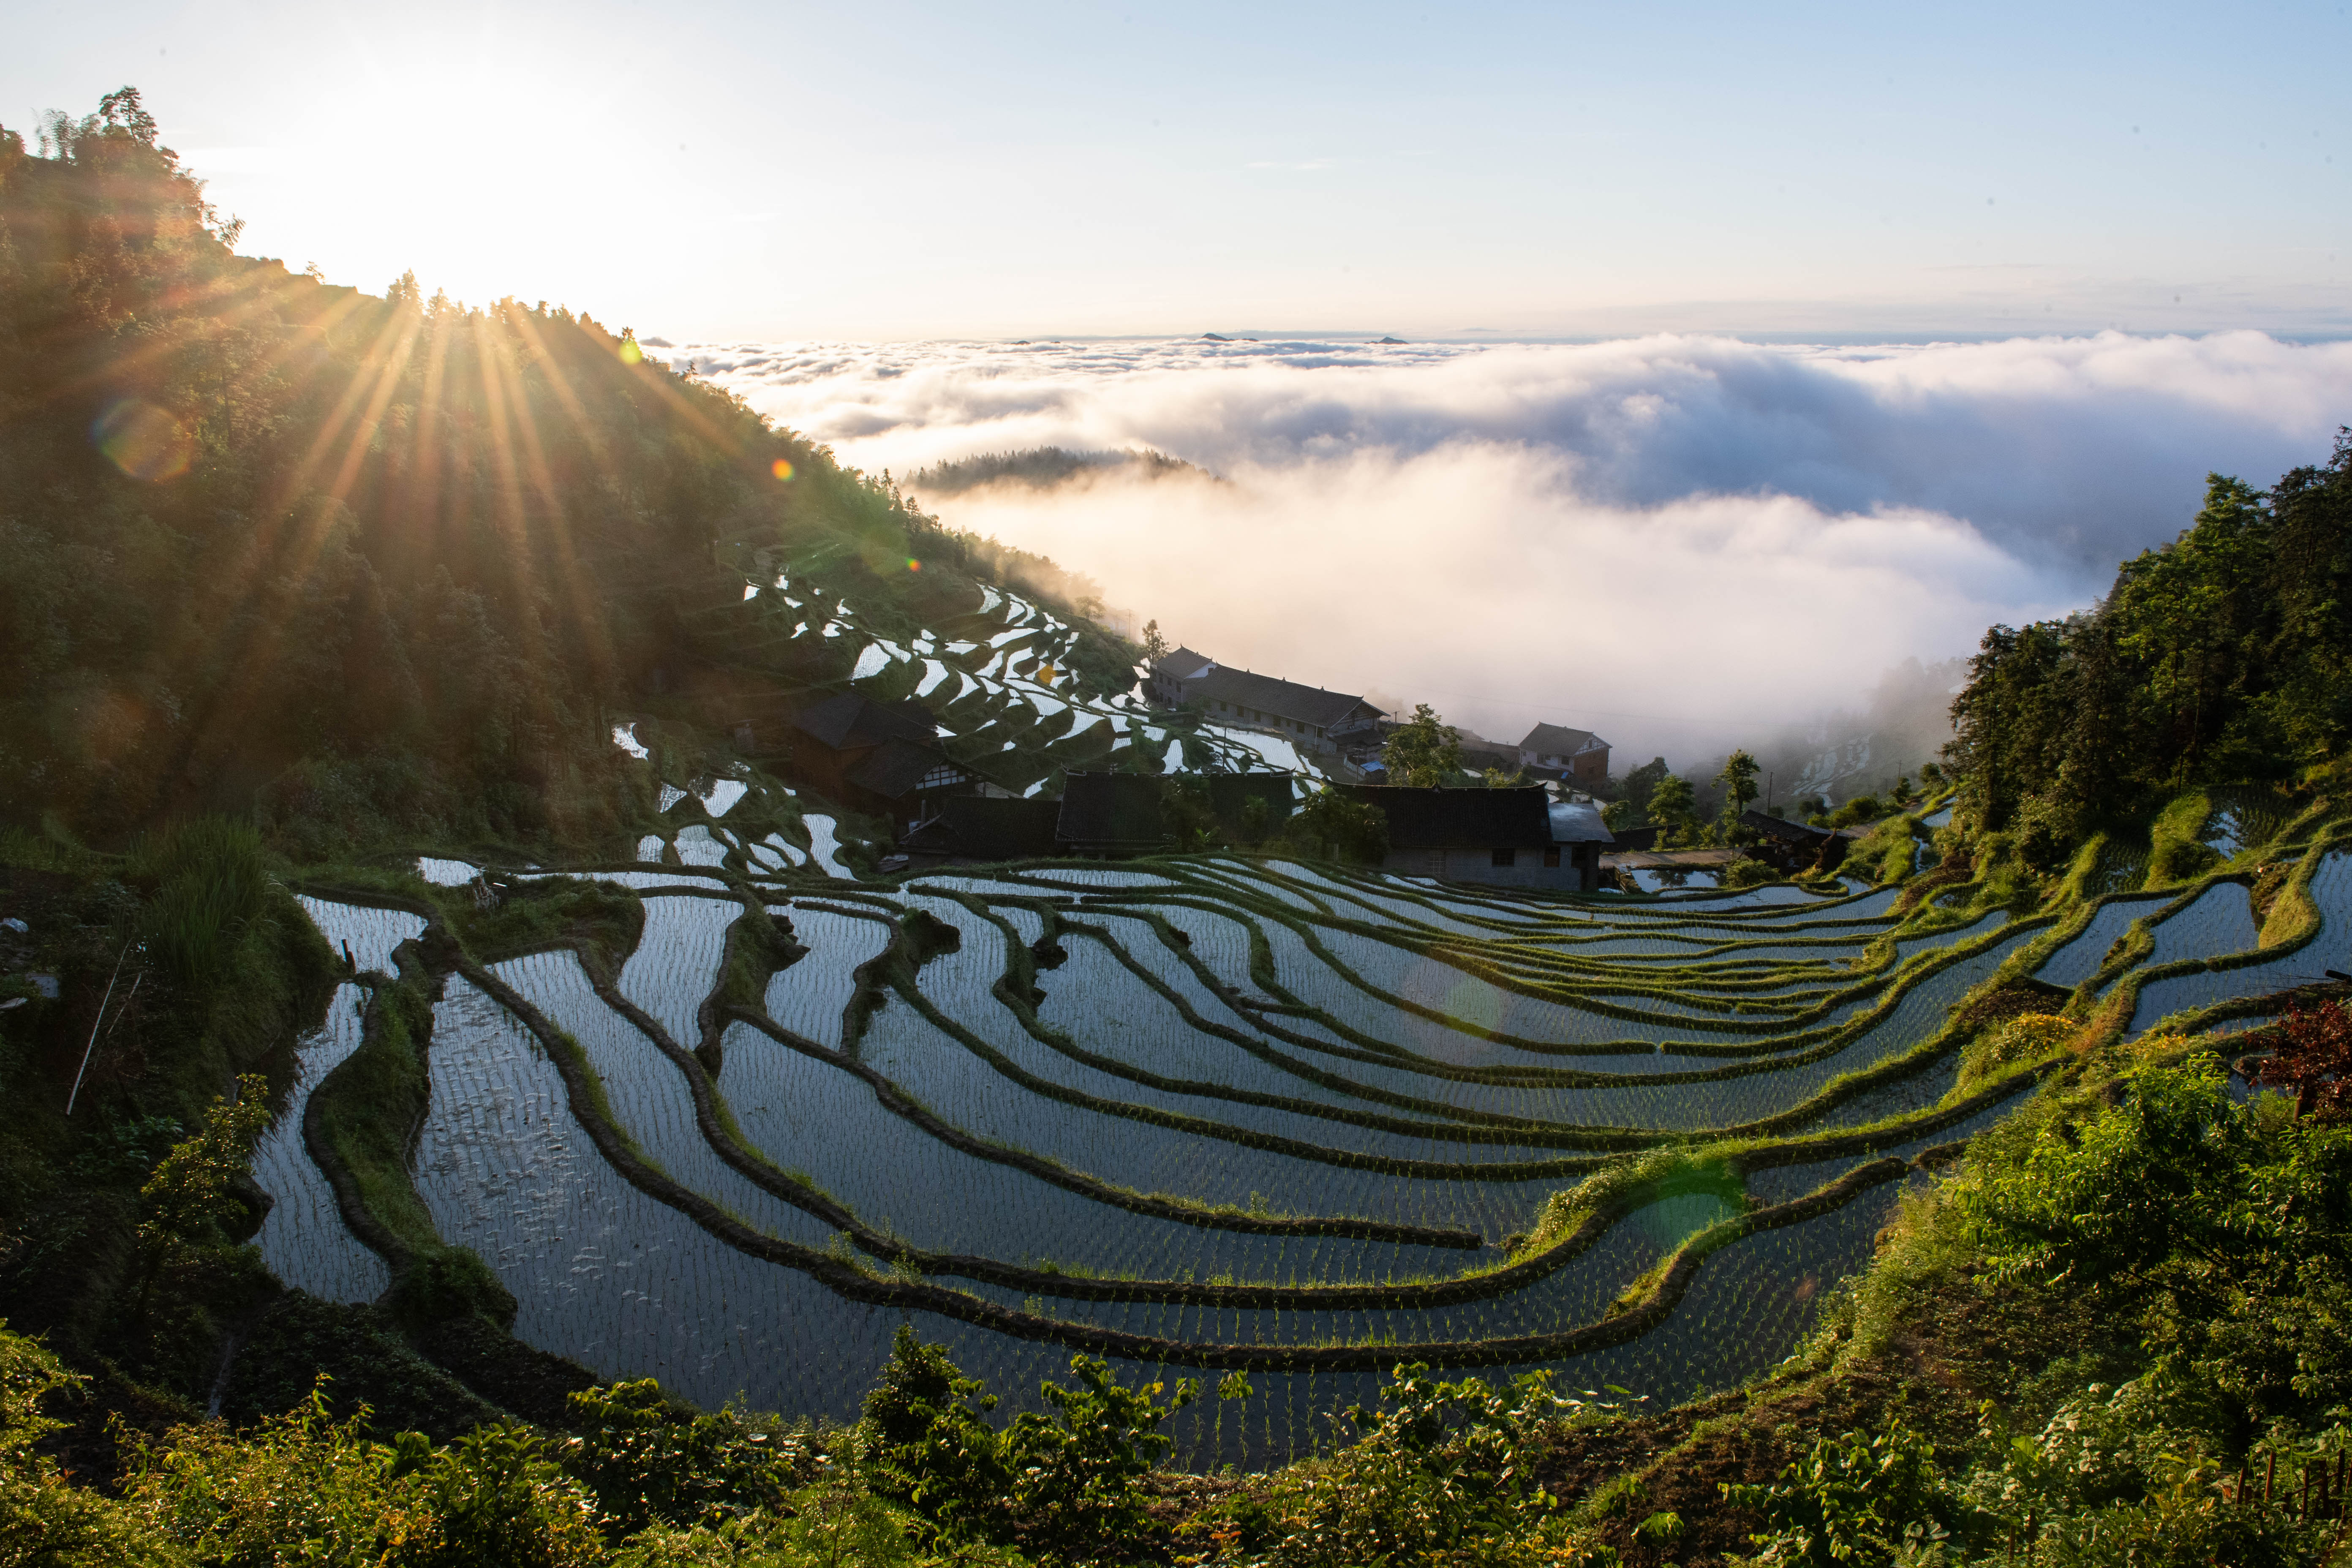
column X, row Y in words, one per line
column 1675, row 541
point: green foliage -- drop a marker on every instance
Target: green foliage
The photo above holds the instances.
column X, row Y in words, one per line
column 1739, row 781
column 1341, row 827
column 1635, row 788
column 647, row 1459
column 44, row 1519
column 494, row 1496
column 1423, row 752
column 1076, row 1471
column 2169, row 1170
column 1749, row 874
column 1063, row 1484
column 1852, row 1500
column 1187, row 816
column 929, row 1445
column 1444, row 1472
column 189, row 1190
column 1862, row 808
column 2218, row 657
column 208, row 883
column 1674, row 806
column 2111, row 1479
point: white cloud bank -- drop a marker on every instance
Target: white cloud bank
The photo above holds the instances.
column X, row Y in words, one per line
column 1672, row 540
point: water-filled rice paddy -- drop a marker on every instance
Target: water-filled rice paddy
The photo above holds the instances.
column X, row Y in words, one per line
column 1194, row 1115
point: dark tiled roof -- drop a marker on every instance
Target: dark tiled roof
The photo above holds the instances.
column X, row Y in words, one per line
column 1182, row 664
column 1460, row 819
column 1578, row 821
column 897, row 768
column 1476, row 754
column 849, row 721
column 1557, row 741
column 1281, row 699
column 987, row 827
column 1111, row 812
column 1794, row 832
column 1787, row 832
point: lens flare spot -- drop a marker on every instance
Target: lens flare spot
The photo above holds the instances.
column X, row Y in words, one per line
column 143, row 440
column 913, row 564
column 781, row 468
column 630, row 352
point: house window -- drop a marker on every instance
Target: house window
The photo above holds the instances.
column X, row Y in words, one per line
column 1552, row 858
column 1507, row 856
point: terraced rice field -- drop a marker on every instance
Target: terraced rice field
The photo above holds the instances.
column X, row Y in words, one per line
column 1205, row 1114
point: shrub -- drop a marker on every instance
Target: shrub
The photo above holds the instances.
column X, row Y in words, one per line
column 1852, row 1500
column 2314, row 1059
column 2111, row 1479
column 209, row 884
column 494, row 1497
column 2026, row 1038
column 43, row 1518
column 1862, row 808
column 1064, row 1484
column 1744, row 873
column 647, row 1459
column 237, row 1497
column 1443, row 1474
column 928, row 1445
column 189, row 1189
column 1076, row 1471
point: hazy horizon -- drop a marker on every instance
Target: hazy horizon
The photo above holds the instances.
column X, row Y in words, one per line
column 915, row 169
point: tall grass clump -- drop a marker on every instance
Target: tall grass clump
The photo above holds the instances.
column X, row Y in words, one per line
column 208, row 884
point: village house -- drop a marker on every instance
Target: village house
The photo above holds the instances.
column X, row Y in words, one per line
column 1510, row 837
column 1578, row 756
column 879, row 758
column 1311, row 718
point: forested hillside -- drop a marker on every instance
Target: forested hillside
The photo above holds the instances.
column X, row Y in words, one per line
column 367, row 564
column 2225, row 657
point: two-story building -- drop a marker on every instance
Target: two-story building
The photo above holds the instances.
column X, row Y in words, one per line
column 875, row 757
column 1578, row 756
column 1310, row 717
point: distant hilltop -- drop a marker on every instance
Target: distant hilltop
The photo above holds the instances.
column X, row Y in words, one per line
column 1045, row 468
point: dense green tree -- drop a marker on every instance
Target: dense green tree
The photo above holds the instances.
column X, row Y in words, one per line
column 1636, row 785
column 2220, row 657
column 1422, row 752
column 1739, row 781
column 1674, row 806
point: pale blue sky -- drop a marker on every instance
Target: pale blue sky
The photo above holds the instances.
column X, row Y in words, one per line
column 890, row 170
